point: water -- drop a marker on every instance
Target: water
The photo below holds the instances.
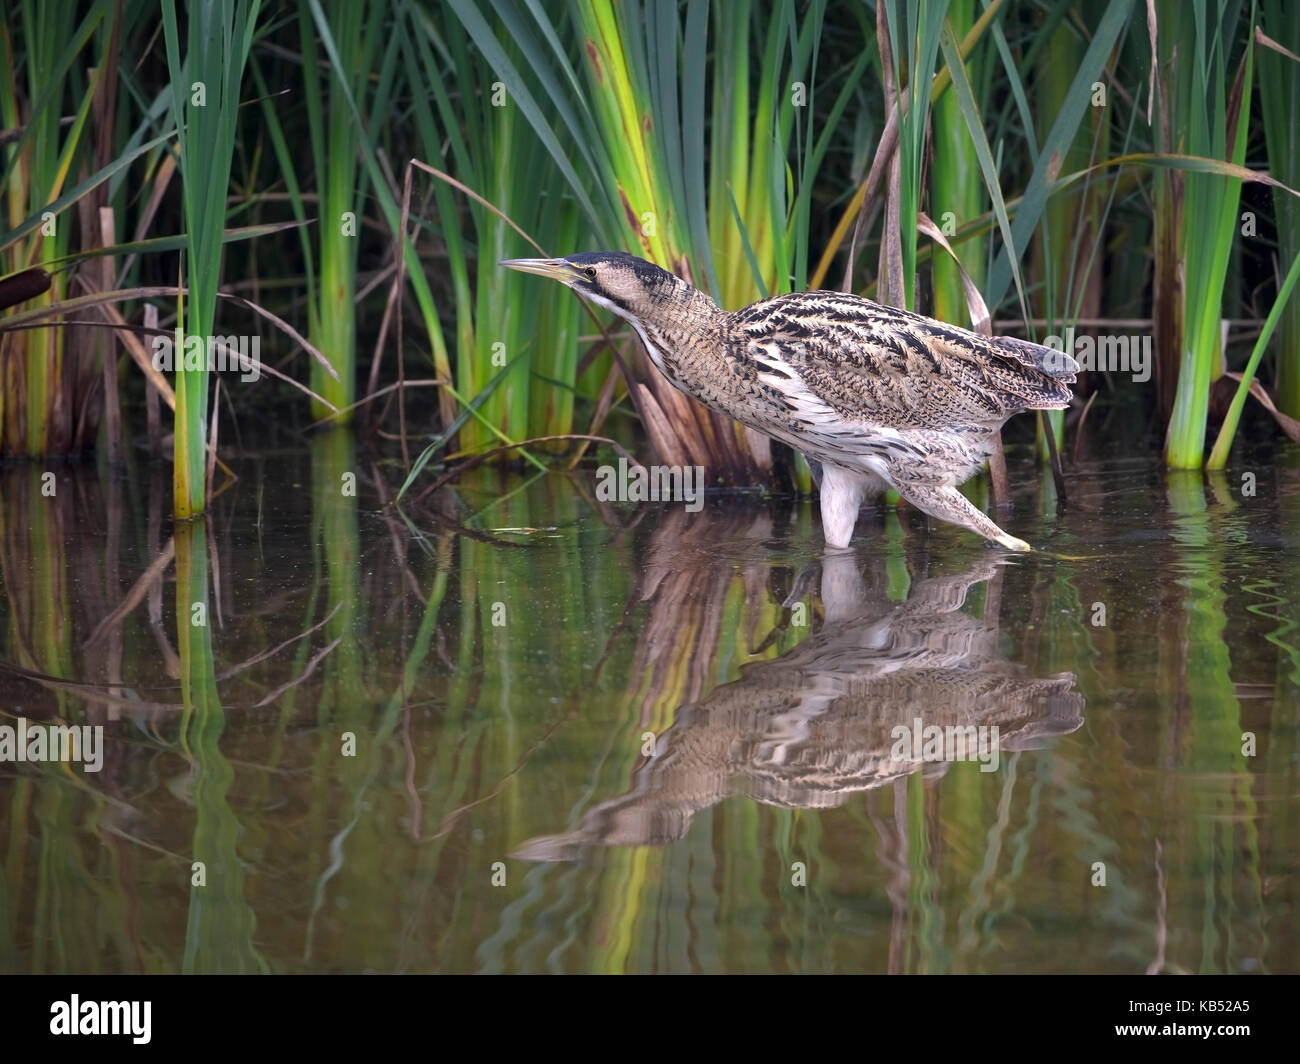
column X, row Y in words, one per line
column 530, row 731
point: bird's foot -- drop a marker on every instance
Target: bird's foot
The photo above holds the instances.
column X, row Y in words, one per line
column 945, row 502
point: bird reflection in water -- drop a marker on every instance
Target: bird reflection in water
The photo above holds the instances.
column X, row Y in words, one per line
column 822, row 722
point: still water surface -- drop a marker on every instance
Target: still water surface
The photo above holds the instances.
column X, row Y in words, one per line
column 528, row 731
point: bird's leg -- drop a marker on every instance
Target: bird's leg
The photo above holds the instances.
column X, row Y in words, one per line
column 843, row 593
column 841, row 496
column 948, row 504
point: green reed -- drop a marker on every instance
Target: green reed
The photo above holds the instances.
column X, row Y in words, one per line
column 1202, row 93
column 914, row 43
column 1279, row 103
column 43, row 388
column 725, row 141
column 517, row 352
column 205, row 97
column 956, row 192
column 616, row 100
column 342, row 45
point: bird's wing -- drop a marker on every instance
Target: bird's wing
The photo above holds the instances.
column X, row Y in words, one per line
column 863, row 361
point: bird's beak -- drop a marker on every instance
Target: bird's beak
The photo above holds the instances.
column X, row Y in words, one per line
column 556, row 269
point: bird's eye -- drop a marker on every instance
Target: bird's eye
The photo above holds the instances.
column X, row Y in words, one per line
column 590, row 271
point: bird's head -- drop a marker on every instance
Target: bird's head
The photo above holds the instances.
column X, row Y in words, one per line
column 631, row 287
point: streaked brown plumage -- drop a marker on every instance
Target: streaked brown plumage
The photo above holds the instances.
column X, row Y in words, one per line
column 877, row 395
column 810, row 729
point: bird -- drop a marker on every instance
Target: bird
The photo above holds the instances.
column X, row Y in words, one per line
column 880, row 397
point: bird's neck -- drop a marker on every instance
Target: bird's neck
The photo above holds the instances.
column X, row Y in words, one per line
column 683, row 335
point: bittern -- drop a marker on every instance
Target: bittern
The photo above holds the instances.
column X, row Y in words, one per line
column 879, row 396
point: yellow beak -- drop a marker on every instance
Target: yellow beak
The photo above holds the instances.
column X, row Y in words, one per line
column 555, row 269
